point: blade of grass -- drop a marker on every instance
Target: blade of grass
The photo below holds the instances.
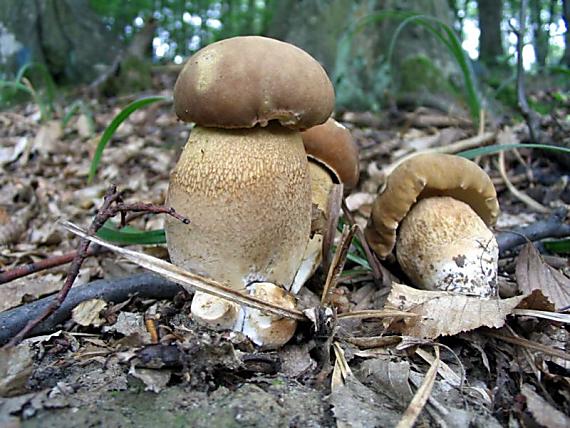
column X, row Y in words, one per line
column 453, row 45
column 561, row 246
column 497, row 148
column 115, row 123
column 131, row 236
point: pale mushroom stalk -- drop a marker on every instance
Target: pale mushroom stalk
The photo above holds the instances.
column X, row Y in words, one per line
column 435, row 210
column 242, row 177
column 333, row 167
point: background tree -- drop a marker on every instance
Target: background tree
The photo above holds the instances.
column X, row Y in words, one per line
column 65, row 35
column 566, row 17
column 490, row 39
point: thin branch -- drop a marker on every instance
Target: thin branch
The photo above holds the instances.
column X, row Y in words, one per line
column 145, row 285
column 554, row 226
column 112, row 205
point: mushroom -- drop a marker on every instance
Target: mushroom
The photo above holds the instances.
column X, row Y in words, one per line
column 242, row 177
column 333, row 166
column 436, row 209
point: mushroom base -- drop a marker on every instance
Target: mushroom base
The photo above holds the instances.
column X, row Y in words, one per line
column 265, row 330
column 444, row 245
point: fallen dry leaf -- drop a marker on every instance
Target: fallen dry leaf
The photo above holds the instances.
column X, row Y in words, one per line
column 32, row 286
column 15, row 368
column 533, row 273
column 446, row 314
column 542, row 411
column 48, row 136
column 88, row 313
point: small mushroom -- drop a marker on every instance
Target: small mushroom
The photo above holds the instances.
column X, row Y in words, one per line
column 242, row 178
column 333, row 166
column 435, row 210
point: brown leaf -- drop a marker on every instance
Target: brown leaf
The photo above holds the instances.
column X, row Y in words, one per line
column 542, row 411
column 533, row 273
column 15, row 368
column 445, row 314
column 88, row 313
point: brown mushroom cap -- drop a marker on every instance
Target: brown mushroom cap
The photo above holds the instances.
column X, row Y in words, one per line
column 332, row 145
column 245, row 81
column 425, row 176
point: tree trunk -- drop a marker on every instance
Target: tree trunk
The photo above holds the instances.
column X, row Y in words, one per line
column 540, row 36
column 357, row 63
column 490, row 40
column 65, row 35
column 566, row 17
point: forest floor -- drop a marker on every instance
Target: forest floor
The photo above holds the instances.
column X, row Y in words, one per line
column 141, row 361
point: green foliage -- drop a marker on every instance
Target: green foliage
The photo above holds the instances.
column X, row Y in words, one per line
column 561, row 246
column 497, row 148
column 26, row 81
column 115, row 123
column 438, row 29
column 131, row 236
column 181, row 21
column 78, row 106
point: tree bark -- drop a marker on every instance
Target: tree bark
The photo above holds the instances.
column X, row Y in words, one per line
column 490, row 40
column 540, row 36
column 357, row 63
column 566, row 17
column 65, row 35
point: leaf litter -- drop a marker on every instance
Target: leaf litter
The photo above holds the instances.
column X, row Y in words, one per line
column 104, row 354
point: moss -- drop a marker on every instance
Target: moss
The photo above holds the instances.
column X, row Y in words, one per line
column 418, row 74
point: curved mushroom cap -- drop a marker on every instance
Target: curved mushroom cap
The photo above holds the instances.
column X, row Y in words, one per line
column 421, row 177
column 444, row 245
column 332, row 144
column 245, row 81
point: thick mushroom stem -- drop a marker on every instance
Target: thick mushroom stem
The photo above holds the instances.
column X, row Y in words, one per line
column 444, row 245
column 247, row 193
column 326, row 197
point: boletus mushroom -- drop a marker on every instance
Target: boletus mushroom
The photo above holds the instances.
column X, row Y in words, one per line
column 436, row 209
column 333, row 167
column 242, row 178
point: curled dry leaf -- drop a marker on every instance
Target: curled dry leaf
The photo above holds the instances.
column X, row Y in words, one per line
column 533, row 273
column 15, row 368
column 89, row 313
column 542, row 411
column 446, row 314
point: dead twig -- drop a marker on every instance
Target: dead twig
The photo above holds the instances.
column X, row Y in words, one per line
column 112, row 205
column 145, row 285
column 535, row 346
column 338, row 261
column 30, row 268
column 521, row 196
column 530, row 116
column 374, row 263
column 554, row 226
column 190, row 280
column 458, row 146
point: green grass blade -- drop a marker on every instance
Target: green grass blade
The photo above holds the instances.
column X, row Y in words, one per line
column 115, row 123
column 131, row 236
column 361, row 261
column 560, row 246
column 497, row 148
column 16, row 85
column 452, row 43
